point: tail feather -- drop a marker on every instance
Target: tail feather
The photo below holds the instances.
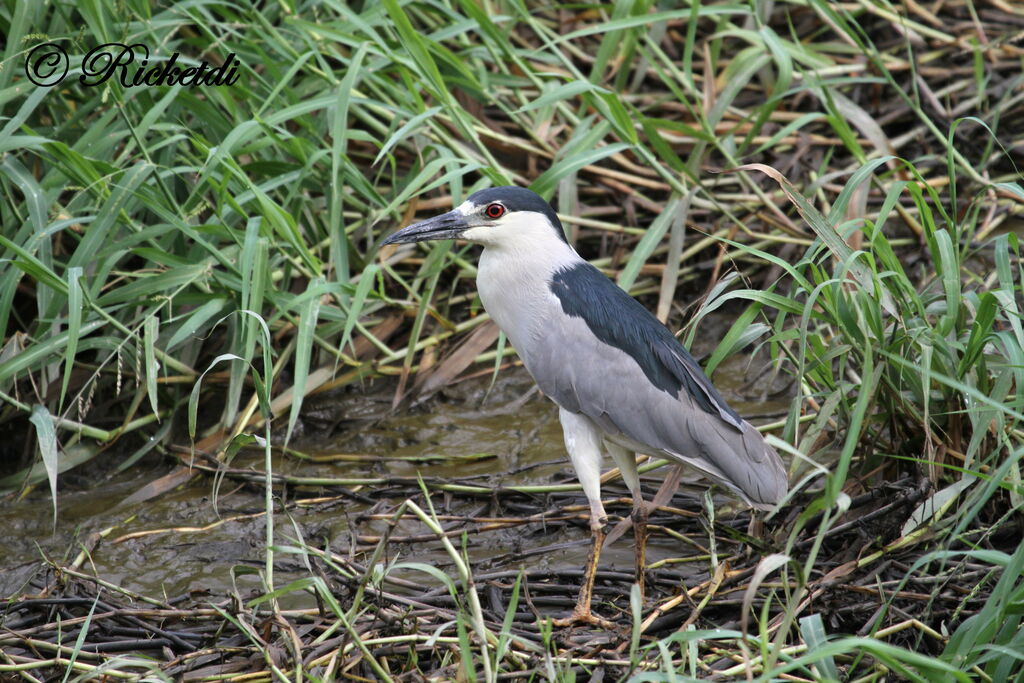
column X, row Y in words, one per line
column 742, row 462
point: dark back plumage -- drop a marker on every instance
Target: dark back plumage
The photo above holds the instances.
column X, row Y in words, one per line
column 619, row 320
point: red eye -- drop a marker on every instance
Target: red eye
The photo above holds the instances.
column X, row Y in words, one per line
column 494, row 210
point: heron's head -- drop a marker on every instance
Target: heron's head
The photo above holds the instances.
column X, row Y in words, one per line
column 506, row 216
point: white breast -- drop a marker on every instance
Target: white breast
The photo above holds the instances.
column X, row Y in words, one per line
column 514, row 286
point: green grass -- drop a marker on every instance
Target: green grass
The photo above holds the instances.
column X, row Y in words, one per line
column 166, row 249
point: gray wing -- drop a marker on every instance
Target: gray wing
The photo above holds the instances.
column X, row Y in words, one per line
column 652, row 395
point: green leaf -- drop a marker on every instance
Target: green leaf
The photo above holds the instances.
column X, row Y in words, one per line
column 405, row 131
column 545, row 184
column 303, row 351
column 948, row 266
column 74, row 327
column 193, row 399
column 655, row 233
column 813, row 631
column 981, row 332
column 195, row 321
column 150, row 334
column 46, row 437
column 358, row 300
column 566, row 91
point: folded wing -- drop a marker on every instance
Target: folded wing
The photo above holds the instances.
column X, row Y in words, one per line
column 616, row 364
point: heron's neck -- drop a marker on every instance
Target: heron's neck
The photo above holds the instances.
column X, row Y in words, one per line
column 525, row 265
column 514, row 284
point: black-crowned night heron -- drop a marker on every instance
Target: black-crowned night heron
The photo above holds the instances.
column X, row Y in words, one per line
column 618, row 375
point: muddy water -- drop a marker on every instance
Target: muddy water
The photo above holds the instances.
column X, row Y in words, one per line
column 182, row 543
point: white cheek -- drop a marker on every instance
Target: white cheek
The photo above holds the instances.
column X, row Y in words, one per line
column 508, row 232
column 481, row 234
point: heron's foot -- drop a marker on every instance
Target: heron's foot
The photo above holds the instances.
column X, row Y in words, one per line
column 584, row 617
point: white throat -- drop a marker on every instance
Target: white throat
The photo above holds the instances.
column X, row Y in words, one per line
column 521, row 254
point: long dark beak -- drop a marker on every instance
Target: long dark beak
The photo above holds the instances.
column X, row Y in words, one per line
column 447, row 226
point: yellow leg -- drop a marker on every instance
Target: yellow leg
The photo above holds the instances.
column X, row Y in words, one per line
column 581, row 614
column 583, row 442
column 627, row 466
